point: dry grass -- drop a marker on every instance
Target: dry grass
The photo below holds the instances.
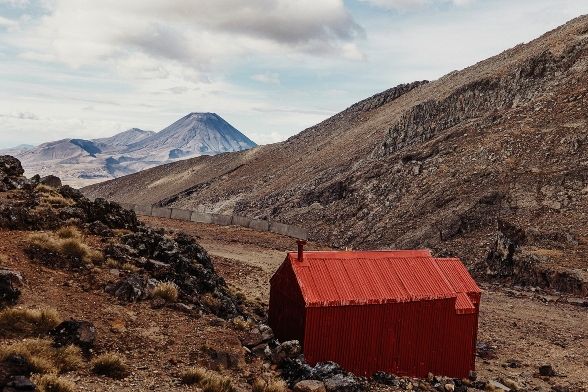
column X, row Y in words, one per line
column 166, row 290
column 241, row 324
column 208, row 380
column 67, row 242
column 213, row 303
column 69, row 232
column 110, row 365
column 28, row 322
column 53, row 383
column 553, row 253
column 129, row 267
column 43, row 357
column 261, row 385
column 193, row 376
column 42, row 188
column 111, row 263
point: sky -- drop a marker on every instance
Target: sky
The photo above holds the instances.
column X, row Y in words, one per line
column 271, row 68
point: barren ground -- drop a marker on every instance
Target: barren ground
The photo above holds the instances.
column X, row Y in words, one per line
column 159, row 343
column 526, row 330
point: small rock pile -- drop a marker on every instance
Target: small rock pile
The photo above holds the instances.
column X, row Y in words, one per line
column 165, row 259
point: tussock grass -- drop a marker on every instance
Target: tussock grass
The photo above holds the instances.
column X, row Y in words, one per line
column 166, row 290
column 261, row 385
column 52, row 383
column 213, row 303
column 69, row 232
column 67, row 242
column 42, row 188
column 129, row 267
column 27, row 322
column 43, row 357
column 110, row 365
column 208, row 380
column 241, row 324
column 193, row 376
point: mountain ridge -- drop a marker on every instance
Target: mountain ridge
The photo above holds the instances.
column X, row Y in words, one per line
column 449, row 165
column 82, row 162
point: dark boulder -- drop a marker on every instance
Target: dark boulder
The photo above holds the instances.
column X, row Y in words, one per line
column 132, row 288
column 10, row 283
column 11, row 174
column 547, row 371
column 76, row 332
column 19, row 384
column 109, row 213
column 10, row 166
column 71, row 193
column 51, row 181
column 343, row 383
column 14, row 365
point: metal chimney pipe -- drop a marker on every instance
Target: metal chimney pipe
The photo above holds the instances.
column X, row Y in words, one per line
column 301, row 244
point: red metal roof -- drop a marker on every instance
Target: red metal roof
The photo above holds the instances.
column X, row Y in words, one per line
column 372, row 277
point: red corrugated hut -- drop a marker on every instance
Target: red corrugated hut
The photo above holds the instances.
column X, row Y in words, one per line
column 402, row 312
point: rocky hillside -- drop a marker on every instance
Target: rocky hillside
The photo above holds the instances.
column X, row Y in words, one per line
column 91, row 299
column 488, row 163
column 81, row 162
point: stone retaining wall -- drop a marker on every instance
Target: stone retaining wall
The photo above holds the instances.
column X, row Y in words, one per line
column 219, row 219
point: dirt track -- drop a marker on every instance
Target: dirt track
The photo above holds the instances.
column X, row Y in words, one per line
column 527, row 332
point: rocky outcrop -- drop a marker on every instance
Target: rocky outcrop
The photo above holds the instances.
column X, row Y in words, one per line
column 11, row 174
column 527, row 257
column 482, row 99
column 179, row 260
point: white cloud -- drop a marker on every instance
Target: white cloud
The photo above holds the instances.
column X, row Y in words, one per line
column 15, row 3
column 267, row 77
column 8, row 24
column 194, row 33
column 414, row 4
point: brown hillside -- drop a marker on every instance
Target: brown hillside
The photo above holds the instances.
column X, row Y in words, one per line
column 488, row 163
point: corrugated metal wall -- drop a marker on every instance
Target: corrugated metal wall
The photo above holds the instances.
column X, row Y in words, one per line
column 409, row 338
column 286, row 308
column 403, row 338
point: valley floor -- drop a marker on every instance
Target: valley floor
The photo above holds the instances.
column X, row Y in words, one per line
column 520, row 332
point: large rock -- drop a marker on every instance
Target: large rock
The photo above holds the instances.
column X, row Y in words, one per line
column 547, row 371
column 11, row 174
column 10, row 166
column 13, row 365
column 310, row 386
column 10, row 283
column 51, row 181
column 79, row 333
column 19, row 384
column 342, row 383
column 133, row 288
column 287, row 350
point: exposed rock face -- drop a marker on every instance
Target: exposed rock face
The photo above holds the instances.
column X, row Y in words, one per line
column 527, row 257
